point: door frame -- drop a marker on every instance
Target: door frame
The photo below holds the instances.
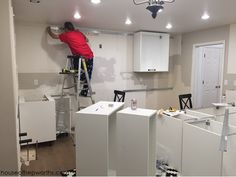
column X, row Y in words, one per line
column 195, row 70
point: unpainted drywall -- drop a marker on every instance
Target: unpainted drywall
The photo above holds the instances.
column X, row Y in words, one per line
column 113, row 65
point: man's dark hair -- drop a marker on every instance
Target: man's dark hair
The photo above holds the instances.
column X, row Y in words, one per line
column 69, row 26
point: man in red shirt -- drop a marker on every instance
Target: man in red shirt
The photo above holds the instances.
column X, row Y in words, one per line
column 77, row 43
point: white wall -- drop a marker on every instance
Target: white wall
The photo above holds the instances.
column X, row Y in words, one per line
column 36, row 51
column 9, row 149
column 38, row 57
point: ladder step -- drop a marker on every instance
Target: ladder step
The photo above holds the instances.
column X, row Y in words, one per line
column 84, row 84
column 66, row 71
column 72, row 73
column 82, row 89
column 71, row 56
column 73, row 94
column 89, row 95
column 67, row 94
column 66, row 88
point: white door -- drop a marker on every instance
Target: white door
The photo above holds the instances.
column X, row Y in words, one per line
column 211, row 75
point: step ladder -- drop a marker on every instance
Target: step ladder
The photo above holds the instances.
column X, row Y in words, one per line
column 69, row 74
column 75, row 75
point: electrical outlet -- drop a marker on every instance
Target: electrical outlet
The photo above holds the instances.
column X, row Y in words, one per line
column 36, row 82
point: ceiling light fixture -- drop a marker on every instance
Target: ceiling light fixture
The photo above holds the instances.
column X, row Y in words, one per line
column 205, row 16
column 96, row 1
column 128, row 21
column 77, row 15
column 169, row 26
column 154, row 5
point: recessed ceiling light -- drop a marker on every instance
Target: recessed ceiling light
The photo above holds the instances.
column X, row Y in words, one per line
column 77, row 15
column 128, row 21
column 95, row 1
column 205, row 16
column 169, row 26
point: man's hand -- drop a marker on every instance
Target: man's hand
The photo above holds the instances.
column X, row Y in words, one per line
column 53, row 35
column 48, row 28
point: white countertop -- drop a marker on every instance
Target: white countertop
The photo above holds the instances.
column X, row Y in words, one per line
column 102, row 108
column 139, row 112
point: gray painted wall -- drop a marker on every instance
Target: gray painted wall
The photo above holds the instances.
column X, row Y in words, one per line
column 9, row 148
column 183, row 64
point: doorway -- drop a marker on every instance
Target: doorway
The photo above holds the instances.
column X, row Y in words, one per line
column 207, row 73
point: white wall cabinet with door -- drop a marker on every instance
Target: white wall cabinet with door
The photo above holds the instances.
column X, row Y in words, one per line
column 151, row 52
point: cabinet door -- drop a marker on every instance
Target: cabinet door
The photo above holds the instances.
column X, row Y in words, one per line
column 162, row 63
column 151, row 52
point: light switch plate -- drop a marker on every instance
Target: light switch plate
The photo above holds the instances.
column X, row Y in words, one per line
column 225, row 82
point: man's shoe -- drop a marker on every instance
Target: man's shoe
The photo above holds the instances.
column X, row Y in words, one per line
column 83, row 93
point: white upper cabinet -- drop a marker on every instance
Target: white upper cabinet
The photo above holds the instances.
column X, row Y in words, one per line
column 151, row 52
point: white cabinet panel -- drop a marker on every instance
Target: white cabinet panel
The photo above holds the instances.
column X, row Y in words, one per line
column 136, row 142
column 96, row 139
column 169, row 143
column 151, row 52
column 201, row 155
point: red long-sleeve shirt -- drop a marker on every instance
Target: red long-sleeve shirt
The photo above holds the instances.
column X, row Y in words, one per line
column 77, row 43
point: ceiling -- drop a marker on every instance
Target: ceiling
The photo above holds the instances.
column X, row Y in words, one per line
column 184, row 15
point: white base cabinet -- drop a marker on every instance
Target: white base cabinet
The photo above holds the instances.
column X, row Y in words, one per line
column 201, row 155
column 136, row 142
column 38, row 119
column 63, row 114
column 96, row 139
column 169, row 140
